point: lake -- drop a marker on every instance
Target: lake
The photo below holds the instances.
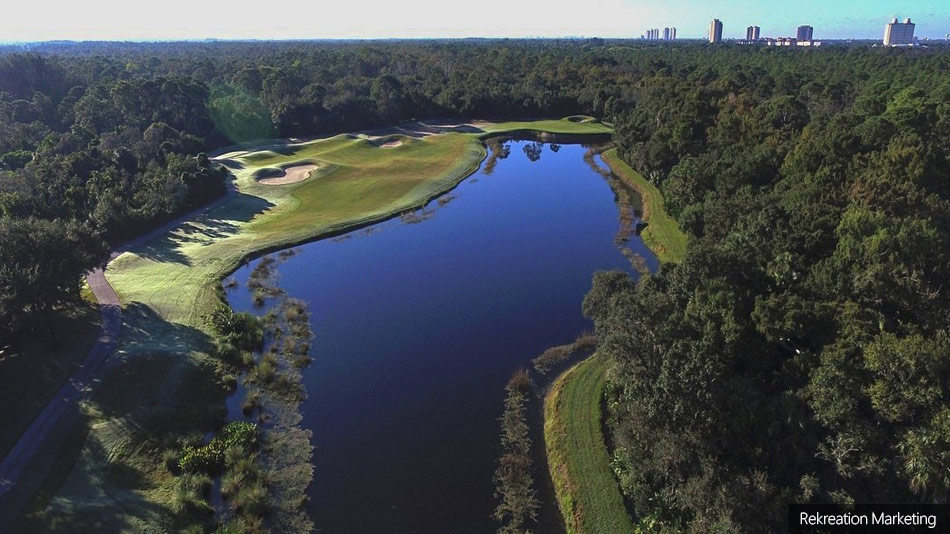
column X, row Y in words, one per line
column 418, row 325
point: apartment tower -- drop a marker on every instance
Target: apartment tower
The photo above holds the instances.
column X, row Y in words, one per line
column 805, row 33
column 715, row 31
column 899, row 33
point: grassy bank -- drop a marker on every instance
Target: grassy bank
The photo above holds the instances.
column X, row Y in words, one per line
column 169, row 286
column 662, row 234
column 586, row 490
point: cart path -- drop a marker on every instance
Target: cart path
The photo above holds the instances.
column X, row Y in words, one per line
column 64, row 406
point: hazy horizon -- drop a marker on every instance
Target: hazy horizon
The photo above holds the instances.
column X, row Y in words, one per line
column 179, row 20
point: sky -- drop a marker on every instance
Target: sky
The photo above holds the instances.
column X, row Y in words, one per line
column 379, row 19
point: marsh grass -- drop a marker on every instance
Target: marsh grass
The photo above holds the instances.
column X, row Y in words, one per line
column 416, row 216
column 514, row 478
column 191, row 494
column 265, row 371
column 251, row 403
column 555, row 357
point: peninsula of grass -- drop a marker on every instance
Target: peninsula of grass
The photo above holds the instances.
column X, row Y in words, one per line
column 585, row 488
column 170, row 285
column 662, row 234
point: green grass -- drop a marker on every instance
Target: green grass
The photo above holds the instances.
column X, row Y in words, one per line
column 584, row 485
column 662, row 234
column 169, row 285
column 576, row 124
column 35, row 370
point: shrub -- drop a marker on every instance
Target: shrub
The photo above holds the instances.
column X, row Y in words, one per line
column 252, row 500
column 210, row 458
column 191, row 494
column 243, row 331
column 265, row 371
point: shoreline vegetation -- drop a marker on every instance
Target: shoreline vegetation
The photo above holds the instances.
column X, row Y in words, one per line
column 662, row 234
column 518, row 503
column 579, row 461
column 170, row 286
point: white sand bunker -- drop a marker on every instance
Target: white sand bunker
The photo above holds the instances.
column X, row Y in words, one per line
column 392, row 143
column 290, row 175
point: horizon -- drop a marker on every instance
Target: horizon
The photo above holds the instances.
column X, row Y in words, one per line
column 179, row 20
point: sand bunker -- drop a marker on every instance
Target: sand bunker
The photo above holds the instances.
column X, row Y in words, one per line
column 291, row 175
column 392, row 143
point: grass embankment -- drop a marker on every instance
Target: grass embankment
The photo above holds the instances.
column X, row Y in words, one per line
column 585, row 487
column 168, row 287
column 662, row 234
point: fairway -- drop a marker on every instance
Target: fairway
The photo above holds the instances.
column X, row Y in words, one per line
column 578, row 460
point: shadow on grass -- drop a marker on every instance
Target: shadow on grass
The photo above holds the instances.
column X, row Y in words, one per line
column 145, row 405
column 418, row 130
column 231, row 164
column 79, row 492
column 220, row 223
column 143, row 330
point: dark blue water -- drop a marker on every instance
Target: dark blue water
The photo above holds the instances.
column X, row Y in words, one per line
column 419, row 326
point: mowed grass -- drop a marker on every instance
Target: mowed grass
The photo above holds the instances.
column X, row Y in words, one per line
column 575, row 124
column 586, row 490
column 168, row 286
column 175, row 275
column 662, row 234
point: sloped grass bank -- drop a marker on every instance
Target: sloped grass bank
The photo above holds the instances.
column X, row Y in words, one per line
column 662, row 234
column 584, row 485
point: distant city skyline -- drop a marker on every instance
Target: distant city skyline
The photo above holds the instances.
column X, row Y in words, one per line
column 376, row 19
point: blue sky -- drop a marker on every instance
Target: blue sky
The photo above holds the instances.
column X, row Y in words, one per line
column 322, row 19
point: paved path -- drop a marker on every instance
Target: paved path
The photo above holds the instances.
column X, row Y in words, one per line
column 62, row 408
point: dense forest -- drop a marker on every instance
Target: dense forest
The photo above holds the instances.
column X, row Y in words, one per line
column 799, row 353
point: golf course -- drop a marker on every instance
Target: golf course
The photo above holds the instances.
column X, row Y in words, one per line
column 163, row 382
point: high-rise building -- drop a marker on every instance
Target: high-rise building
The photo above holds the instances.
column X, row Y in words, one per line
column 715, row 31
column 805, row 33
column 673, row 32
column 752, row 33
column 899, row 33
column 666, row 34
